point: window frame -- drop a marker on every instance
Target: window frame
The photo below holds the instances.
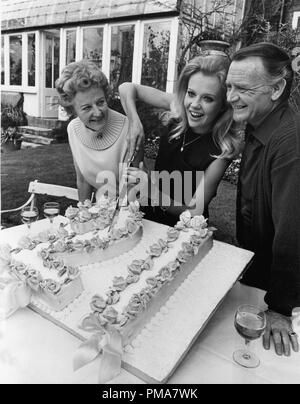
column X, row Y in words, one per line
column 24, row 87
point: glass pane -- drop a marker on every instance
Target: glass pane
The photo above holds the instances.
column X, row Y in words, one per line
column 156, row 54
column 2, row 59
column 15, row 60
column 56, row 60
column 71, row 46
column 31, row 60
column 52, row 60
column 93, row 45
column 121, row 60
column 49, row 56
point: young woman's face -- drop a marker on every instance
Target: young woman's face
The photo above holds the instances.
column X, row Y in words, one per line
column 91, row 108
column 203, row 102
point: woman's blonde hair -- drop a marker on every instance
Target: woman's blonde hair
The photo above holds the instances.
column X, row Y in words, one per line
column 224, row 133
column 79, row 76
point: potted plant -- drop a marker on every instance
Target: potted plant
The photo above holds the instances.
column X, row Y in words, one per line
column 11, row 118
column 213, row 39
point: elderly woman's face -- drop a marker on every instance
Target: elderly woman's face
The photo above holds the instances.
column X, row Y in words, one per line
column 91, row 108
column 203, row 102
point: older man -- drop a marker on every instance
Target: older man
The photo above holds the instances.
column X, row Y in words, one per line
column 268, row 206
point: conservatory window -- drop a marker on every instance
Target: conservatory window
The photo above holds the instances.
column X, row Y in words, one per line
column 2, row 60
column 93, row 45
column 71, row 46
column 121, row 58
column 31, row 60
column 156, row 54
column 15, row 60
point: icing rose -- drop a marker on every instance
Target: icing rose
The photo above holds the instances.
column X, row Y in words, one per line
column 119, row 283
column 5, row 257
column 166, row 274
column 103, row 202
column 43, row 236
column 44, row 254
column 163, row 244
column 60, row 246
column 112, row 297
column 101, row 320
column 173, row 266
column 135, row 267
column 95, row 242
column 131, row 225
column 25, row 243
column 153, row 282
column 180, row 226
column 34, row 279
column 20, row 270
column 185, row 218
column 123, row 320
column 50, row 286
column 148, row 264
column 84, row 216
column 196, row 239
column 94, row 210
column 98, row 304
column 188, row 248
column 78, row 245
column 135, row 306
column 183, row 256
column 62, row 232
column 132, row 279
column 172, row 234
column 71, row 212
column 110, row 314
column 203, row 233
column 198, row 222
column 146, row 295
column 87, row 204
column 57, row 264
column 156, row 250
column 72, row 273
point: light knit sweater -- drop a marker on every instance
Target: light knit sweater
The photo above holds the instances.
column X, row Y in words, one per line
column 97, row 156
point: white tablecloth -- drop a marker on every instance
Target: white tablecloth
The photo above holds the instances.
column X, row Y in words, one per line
column 34, row 350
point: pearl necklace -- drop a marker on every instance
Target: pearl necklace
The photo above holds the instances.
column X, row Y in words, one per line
column 188, row 143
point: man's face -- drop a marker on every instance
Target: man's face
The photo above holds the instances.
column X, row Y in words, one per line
column 249, row 91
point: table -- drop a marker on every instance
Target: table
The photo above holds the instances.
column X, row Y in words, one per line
column 34, row 350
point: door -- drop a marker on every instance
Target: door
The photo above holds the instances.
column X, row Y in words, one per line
column 51, row 50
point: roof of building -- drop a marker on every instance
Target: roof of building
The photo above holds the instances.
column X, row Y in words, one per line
column 20, row 14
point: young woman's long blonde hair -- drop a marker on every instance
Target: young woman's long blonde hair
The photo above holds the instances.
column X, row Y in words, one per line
column 225, row 135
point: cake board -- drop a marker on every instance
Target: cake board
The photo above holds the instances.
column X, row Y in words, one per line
column 155, row 353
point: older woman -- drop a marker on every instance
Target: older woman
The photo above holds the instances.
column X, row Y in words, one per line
column 98, row 135
column 199, row 137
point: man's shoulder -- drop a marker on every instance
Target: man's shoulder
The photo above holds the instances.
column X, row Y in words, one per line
column 286, row 136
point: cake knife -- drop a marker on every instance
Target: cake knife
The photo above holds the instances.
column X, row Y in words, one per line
column 118, row 207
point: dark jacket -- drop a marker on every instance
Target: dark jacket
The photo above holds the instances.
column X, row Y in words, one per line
column 275, row 221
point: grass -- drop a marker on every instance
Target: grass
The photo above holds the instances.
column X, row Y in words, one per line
column 54, row 164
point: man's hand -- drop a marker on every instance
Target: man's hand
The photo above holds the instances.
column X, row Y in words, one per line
column 279, row 328
column 135, row 137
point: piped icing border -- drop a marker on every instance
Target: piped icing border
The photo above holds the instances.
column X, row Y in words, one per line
column 104, row 314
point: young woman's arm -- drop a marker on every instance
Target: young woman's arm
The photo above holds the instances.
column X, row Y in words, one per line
column 129, row 93
column 84, row 188
column 204, row 194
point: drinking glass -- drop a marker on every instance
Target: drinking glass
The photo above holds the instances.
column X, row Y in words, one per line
column 51, row 210
column 29, row 215
column 250, row 322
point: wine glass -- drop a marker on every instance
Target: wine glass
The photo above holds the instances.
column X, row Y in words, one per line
column 29, row 215
column 250, row 322
column 51, row 210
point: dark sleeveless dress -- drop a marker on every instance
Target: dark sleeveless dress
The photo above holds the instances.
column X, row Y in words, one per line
column 196, row 156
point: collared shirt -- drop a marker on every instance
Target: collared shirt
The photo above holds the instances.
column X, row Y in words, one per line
column 268, row 208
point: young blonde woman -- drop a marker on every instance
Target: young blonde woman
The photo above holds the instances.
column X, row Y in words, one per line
column 199, row 137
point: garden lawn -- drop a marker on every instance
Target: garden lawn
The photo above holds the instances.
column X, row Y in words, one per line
column 54, row 164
